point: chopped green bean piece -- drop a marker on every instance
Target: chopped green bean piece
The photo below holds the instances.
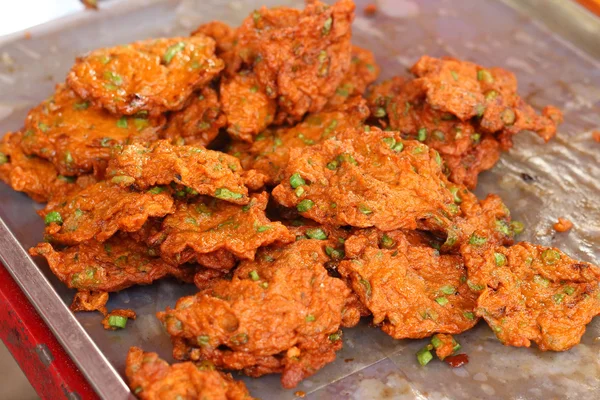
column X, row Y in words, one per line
column 550, row 256
column 309, row 318
column 387, row 242
column 305, row 205
column 3, row 158
column 442, row 301
column 424, row 355
column 422, row 134
column 299, row 191
column 172, row 51
column 500, row 259
column 448, row 289
column 364, row 209
column 477, row 240
column 436, row 342
column 53, row 217
column 379, row 112
column 226, row 194
column 254, row 275
column 262, row 228
column 569, row 290
column 122, row 123
column 517, row 227
column 469, row 315
column 128, row 180
column 327, row 26
column 485, row 76
column 316, row 233
column 296, row 180
column 540, row 280
column 117, row 321
column 508, row 116
column 558, row 298
column 203, row 340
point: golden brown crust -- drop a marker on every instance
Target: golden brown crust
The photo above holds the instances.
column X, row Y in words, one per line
column 368, row 179
column 204, row 226
column 231, row 324
column 248, row 108
column 411, row 290
column 111, row 266
column 118, row 78
column 32, row 175
column 78, row 138
column 299, row 57
column 464, row 111
column 270, row 151
column 199, row 122
column 530, row 293
column 100, row 210
column 151, row 378
column 206, row 172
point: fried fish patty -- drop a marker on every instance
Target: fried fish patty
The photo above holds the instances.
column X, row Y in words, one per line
column 531, row 293
column 151, row 378
column 151, row 76
column 100, row 210
column 248, row 108
column 270, row 151
column 411, row 290
column 199, row 122
column 78, row 138
column 366, row 179
column 280, row 313
column 204, row 226
column 299, row 57
column 32, row 175
column 114, row 265
column 206, row 172
column 464, row 111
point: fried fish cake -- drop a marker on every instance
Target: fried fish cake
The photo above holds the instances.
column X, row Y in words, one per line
column 220, row 32
column 270, row 151
column 151, row 378
column 204, row 226
column 199, row 122
column 363, row 71
column 411, row 290
column 299, row 57
column 32, row 175
column 114, row 265
column 248, row 108
column 207, row 172
column 151, row 76
column 365, row 179
column 466, row 112
column 480, row 222
column 531, row 293
column 281, row 313
column 78, row 138
column 100, row 210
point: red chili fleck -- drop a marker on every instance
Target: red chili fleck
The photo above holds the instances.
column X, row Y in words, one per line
column 457, row 361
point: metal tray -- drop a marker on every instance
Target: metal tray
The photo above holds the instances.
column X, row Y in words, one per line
column 565, row 182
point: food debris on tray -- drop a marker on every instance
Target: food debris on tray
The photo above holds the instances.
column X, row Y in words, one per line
column 264, row 164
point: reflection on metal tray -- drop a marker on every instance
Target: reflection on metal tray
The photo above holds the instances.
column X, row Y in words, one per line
column 371, row 365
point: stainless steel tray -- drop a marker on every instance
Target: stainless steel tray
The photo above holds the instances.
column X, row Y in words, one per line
column 371, row 365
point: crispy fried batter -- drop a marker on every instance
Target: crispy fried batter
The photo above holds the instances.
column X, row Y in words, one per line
column 481, row 222
column 151, row 76
column 270, row 151
column 111, row 266
column 467, row 113
column 363, row 71
column 85, row 300
column 205, row 226
column 119, row 312
column 248, row 108
column 222, row 34
column 531, row 293
column 232, row 323
column 32, row 175
column 299, row 57
column 199, row 122
column 152, row 378
column 78, row 138
column 411, row 290
column 100, row 210
column 207, row 172
column 367, row 179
